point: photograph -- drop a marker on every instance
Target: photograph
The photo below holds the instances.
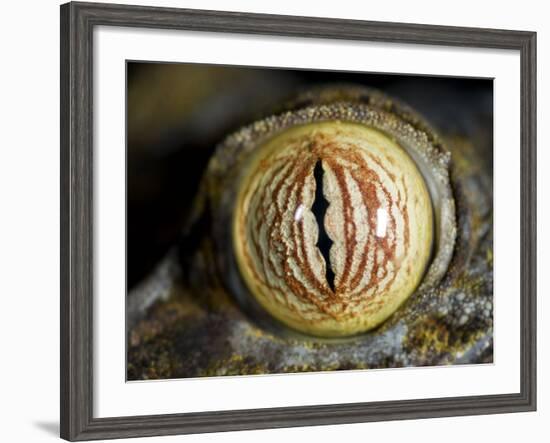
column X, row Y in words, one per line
column 289, row 220
column 243, row 222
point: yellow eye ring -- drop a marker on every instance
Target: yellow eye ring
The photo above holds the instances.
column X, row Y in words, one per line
column 378, row 219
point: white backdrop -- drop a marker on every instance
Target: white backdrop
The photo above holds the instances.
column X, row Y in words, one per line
column 29, row 226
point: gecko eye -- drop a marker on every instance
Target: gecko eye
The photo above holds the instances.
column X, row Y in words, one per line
column 337, row 221
column 333, row 227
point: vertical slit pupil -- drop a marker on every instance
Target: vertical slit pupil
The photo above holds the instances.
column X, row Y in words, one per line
column 319, row 210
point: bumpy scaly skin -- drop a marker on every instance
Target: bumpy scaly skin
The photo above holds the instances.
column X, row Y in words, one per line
column 202, row 329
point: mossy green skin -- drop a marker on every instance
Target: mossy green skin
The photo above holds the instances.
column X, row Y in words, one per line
column 187, row 321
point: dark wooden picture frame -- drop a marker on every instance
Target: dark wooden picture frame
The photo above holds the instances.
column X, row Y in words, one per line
column 77, row 24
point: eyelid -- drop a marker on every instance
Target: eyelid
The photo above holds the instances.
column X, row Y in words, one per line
column 398, row 123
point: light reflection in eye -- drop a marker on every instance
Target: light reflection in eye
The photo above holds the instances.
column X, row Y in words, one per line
column 299, row 212
column 381, row 222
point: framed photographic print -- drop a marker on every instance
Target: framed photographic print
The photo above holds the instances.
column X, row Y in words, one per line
column 273, row 221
